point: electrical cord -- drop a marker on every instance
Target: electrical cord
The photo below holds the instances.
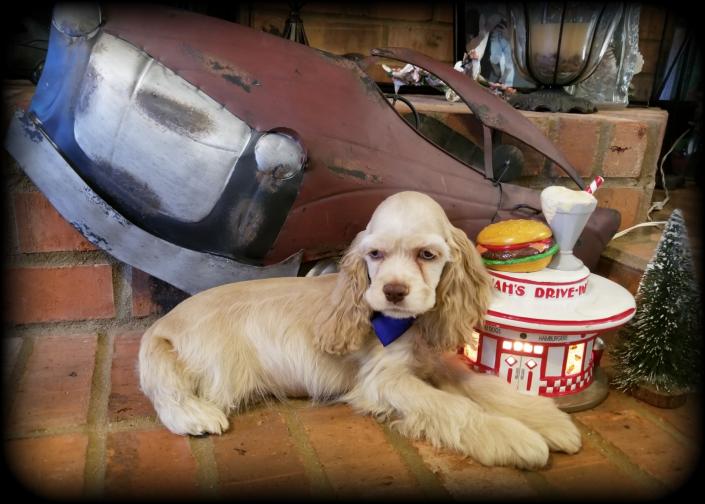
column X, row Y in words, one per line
column 659, row 204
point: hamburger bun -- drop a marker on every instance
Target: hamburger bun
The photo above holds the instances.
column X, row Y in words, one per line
column 517, row 245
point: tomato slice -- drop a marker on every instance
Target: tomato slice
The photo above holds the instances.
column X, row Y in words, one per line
column 513, row 246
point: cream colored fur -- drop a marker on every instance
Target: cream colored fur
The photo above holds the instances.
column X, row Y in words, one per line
column 236, row 344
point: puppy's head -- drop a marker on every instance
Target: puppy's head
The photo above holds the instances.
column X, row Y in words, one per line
column 405, row 248
column 410, row 261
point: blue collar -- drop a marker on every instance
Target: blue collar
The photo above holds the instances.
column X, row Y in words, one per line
column 388, row 329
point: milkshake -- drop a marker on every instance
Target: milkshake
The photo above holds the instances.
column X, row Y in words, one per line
column 566, row 211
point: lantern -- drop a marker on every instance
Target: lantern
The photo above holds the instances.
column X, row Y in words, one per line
column 560, row 44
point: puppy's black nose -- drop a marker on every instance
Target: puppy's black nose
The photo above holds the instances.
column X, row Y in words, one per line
column 395, row 292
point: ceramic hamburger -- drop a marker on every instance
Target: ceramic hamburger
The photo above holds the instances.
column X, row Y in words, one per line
column 518, row 245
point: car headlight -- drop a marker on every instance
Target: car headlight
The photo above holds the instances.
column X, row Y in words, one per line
column 279, row 155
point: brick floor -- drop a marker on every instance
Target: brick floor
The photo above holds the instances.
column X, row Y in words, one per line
column 591, row 475
column 466, row 480
column 57, row 448
column 126, row 400
column 54, row 390
column 355, row 455
column 49, row 466
column 258, row 453
column 152, row 463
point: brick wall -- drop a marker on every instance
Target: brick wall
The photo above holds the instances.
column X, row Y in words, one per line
column 622, row 146
column 54, row 279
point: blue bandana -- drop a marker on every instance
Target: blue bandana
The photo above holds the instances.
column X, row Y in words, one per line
column 388, row 329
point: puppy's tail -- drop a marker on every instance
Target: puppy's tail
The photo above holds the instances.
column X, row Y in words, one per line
column 172, row 389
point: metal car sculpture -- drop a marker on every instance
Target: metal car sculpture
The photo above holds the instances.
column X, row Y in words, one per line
column 204, row 152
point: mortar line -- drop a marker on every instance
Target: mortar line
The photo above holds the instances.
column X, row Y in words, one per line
column 606, row 134
column 81, row 326
column 621, row 460
column 15, row 376
column 135, row 423
column 40, row 433
column 122, row 291
column 61, row 259
column 206, row 466
column 321, row 487
column 94, row 472
column 430, row 484
column 538, row 483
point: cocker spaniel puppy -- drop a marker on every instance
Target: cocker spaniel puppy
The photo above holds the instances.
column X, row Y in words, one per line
column 410, row 280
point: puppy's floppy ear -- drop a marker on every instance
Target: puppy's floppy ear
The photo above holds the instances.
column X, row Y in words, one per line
column 462, row 296
column 342, row 326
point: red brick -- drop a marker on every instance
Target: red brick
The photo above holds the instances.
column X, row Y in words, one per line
column 142, row 304
column 627, row 200
column 590, row 475
column 534, row 161
column 40, row 228
column 465, row 124
column 687, row 418
column 152, row 296
column 257, row 458
column 126, row 400
column 466, row 480
column 645, row 443
column 578, row 139
column 627, row 277
column 10, row 351
column 50, row 467
column 149, row 464
column 55, row 388
column 625, row 153
column 48, row 294
column 355, row 454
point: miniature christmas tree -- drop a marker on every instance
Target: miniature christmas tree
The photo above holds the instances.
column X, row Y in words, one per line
column 660, row 347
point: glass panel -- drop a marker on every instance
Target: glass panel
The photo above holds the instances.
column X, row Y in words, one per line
column 574, row 362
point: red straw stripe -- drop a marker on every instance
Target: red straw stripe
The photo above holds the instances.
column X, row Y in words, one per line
column 594, row 185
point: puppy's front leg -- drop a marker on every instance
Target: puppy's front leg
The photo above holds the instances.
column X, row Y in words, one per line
column 494, row 394
column 387, row 387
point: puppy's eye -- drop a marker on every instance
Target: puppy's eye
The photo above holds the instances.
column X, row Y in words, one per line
column 375, row 254
column 427, row 255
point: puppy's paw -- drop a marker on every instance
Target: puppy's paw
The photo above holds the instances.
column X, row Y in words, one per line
column 556, row 426
column 504, row 441
column 193, row 416
column 562, row 435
